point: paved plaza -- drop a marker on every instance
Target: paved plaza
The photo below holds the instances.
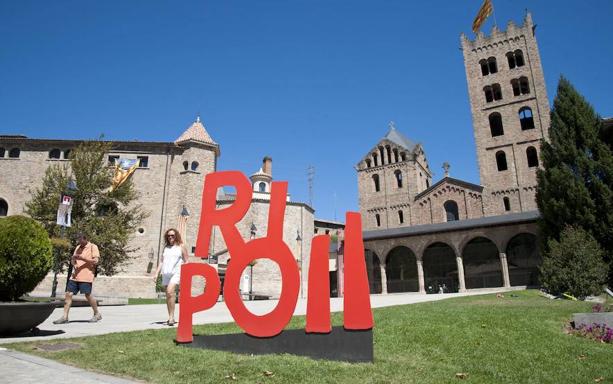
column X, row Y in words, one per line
column 25, row 369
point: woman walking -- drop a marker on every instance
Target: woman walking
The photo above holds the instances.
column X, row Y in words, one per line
column 174, row 255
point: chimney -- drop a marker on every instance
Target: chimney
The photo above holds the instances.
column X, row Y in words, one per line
column 267, row 165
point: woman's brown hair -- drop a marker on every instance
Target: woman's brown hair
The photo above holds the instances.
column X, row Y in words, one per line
column 178, row 240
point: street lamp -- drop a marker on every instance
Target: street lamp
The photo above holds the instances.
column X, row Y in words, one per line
column 253, row 231
column 299, row 241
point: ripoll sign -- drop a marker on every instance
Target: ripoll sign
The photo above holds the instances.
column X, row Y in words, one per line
column 356, row 304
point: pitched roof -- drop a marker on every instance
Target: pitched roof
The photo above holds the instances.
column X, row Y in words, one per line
column 398, row 138
column 450, row 180
column 196, row 132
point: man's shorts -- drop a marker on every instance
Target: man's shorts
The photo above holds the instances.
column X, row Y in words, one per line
column 76, row 286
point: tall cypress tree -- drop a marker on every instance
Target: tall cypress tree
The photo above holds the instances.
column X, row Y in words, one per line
column 576, row 185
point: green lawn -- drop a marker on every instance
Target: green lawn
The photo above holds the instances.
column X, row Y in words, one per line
column 138, row 301
column 493, row 340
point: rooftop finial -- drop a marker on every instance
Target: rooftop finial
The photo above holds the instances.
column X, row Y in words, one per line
column 197, row 118
column 392, row 125
column 446, row 167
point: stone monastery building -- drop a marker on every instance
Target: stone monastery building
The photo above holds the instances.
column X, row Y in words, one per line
column 454, row 235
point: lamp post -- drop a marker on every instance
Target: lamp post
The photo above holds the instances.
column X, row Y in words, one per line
column 299, row 241
column 66, row 199
column 253, row 231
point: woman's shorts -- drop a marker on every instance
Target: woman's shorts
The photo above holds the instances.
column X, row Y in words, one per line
column 171, row 278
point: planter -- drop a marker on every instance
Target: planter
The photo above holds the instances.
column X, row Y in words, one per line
column 20, row 317
column 589, row 319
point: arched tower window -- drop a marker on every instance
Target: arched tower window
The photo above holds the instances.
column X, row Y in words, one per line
column 54, row 153
column 501, row 161
column 451, row 210
column 4, row 208
column 400, row 217
column 497, row 92
column 526, row 120
column 395, row 155
column 389, row 154
column 381, row 151
column 533, row 160
column 515, row 86
column 484, row 67
column 403, row 156
column 524, row 87
column 520, row 86
column 375, row 179
column 496, row 124
column 491, row 64
column 507, row 204
column 185, row 165
column 378, row 220
column 515, row 59
column 519, row 58
column 14, row 153
column 488, row 66
column 374, row 157
column 195, row 165
column 262, row 187
column 489, row 94
column 398, row 176
column 368, row 164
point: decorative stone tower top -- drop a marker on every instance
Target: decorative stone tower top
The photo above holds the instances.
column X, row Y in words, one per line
column 196, row 133
column 260, row 181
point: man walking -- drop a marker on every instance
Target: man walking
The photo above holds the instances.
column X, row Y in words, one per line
column 84, row 260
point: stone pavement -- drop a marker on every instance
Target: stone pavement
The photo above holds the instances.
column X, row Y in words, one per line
column 23, row 368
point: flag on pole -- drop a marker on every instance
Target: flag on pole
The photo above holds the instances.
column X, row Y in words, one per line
column 484, row 12
column 64, row 211
column 123, row 169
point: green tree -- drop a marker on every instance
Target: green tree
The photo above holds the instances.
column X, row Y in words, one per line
column 574, row 264
column 108, row 217
column 575, row 186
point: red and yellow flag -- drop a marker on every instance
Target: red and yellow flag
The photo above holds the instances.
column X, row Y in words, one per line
column 484, row 12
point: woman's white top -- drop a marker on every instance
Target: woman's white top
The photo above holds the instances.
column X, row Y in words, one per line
column 172, row 260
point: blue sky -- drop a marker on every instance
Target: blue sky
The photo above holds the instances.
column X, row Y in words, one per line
column 306, row 82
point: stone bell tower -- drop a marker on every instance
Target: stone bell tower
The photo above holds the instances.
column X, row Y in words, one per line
column 510, row 113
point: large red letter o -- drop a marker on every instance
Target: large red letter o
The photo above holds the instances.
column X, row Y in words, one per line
column 272, row 323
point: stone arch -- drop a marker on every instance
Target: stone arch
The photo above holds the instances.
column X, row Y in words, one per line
column 262, row 186
column 440, row 268
column 14, row 153
column 401, row 270
column 4, row 208
column 523, row 259
column 55, row 153
column 482, row 268
column 373, row 270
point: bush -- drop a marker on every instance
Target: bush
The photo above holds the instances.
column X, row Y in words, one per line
column 574, row 264
column 25, row 256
